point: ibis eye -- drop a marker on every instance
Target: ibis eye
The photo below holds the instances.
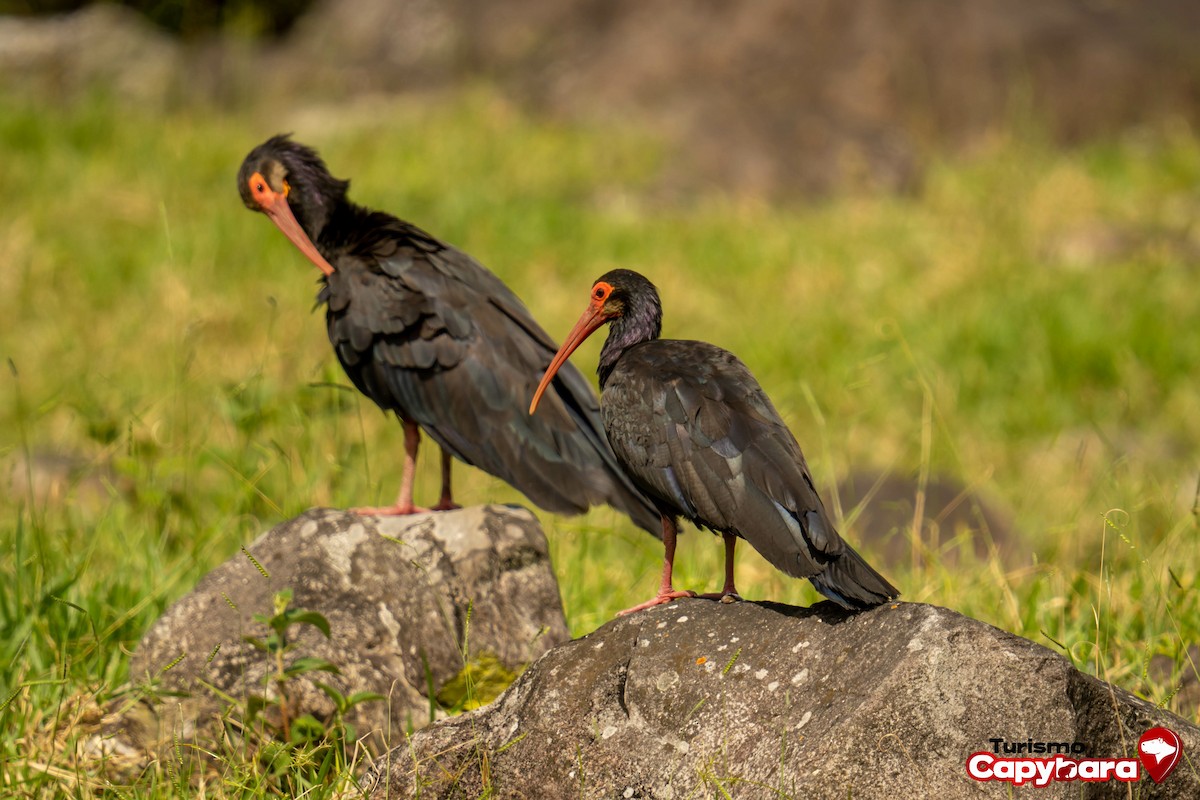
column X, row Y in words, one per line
column 599, row 293
column 258, row 187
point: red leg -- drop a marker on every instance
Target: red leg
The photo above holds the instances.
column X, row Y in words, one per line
column 404, row 503
column 729, row 592
column 446, row 503
column 666, row 593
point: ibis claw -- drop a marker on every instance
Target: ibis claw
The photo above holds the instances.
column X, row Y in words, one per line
column 662, row 597
column 725, row 596
column 395, row 510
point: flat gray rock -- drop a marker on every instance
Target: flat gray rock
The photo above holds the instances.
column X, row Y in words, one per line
column 758, row 700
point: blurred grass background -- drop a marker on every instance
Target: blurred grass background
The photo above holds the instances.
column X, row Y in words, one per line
column 1025, row 322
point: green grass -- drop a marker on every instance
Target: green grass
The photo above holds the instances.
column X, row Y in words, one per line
column 1024, row 323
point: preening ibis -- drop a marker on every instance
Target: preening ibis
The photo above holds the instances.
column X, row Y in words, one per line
column 425, row 331
column 697, row 433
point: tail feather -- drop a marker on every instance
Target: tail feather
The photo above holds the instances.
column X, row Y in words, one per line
column 852, row 583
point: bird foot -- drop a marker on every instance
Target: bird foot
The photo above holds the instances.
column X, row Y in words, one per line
column 394, row 510
column 663, row 597
column 446, row 504
column 724, row 596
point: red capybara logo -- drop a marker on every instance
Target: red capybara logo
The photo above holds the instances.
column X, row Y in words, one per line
column 1159, row 749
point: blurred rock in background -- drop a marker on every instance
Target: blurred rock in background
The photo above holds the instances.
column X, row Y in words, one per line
column 99, row 47
column 939, row 519
column 774, row 97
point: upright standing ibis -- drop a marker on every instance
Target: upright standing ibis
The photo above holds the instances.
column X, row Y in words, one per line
column 696, row 432
column 425, row 331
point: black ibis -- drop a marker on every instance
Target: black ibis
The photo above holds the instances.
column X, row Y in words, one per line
column 697, row 433
column 425, row 331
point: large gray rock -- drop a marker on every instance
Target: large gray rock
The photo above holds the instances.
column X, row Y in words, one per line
column 396, row 592
column 701, row 699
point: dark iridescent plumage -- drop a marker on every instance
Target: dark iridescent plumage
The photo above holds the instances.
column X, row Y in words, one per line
column 425, row 331
column 697, row 433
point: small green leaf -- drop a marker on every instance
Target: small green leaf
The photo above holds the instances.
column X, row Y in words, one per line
column 363, row 697
column 310, row 664
column 307, row 729
column 299, row 616
column 339, row 699
column 256, row 643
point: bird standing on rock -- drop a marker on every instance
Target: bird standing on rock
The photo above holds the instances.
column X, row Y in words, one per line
column 697, row 433
column 425, row 331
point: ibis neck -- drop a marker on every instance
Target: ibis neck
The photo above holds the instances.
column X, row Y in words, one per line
column 317, row 200
column 343, row 228
column 636, row 325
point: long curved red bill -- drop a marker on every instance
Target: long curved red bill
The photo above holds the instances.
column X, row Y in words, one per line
column 275, row 206
column 281, row 214
column 592, row 319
